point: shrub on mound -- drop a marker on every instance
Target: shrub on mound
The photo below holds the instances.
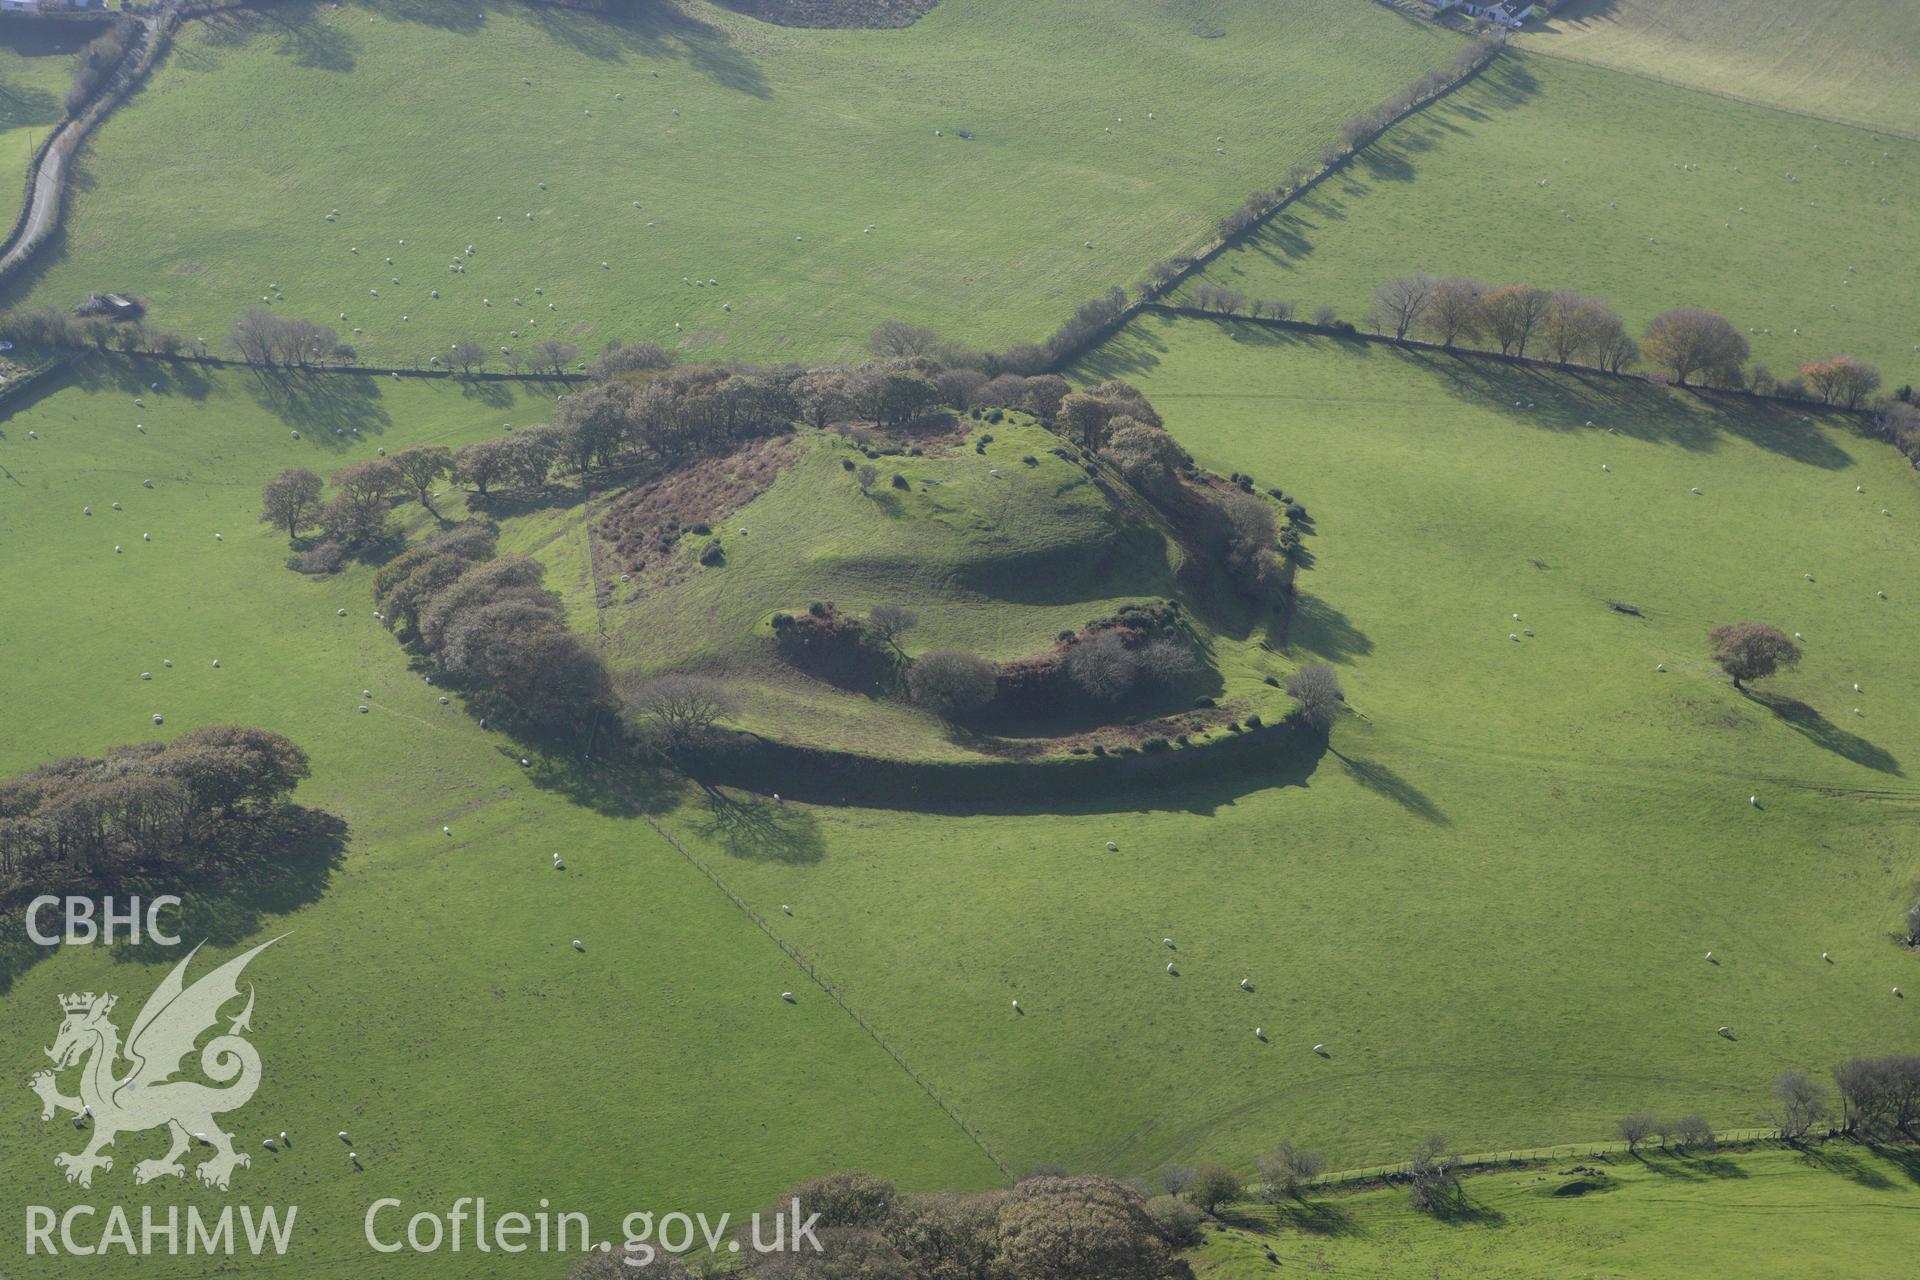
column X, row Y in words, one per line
column 951, row 683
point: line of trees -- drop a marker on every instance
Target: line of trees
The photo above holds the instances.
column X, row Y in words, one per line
column 491, row 622
column 143, row 806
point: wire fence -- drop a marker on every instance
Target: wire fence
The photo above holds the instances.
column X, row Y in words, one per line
column 827, row 988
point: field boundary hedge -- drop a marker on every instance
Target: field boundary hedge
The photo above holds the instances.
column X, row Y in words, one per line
column 1489, row 1160
column 65, row 139
column 1347, row 333
column 1198, row 262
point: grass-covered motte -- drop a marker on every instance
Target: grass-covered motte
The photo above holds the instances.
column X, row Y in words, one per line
column 677, row 142
column 1779, row 222
column 483, row 907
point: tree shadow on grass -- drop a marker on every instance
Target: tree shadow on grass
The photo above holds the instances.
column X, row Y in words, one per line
column 651, row 29
column 761, row 829
column 1674, row 1163
column 1381, row 780
column 275, row 867
column 1831, row 1159
column 331, row 407
column 1322, row 630
column 1317, row 1218
column 1823, row 733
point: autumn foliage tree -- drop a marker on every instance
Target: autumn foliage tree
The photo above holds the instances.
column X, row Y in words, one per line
column 1752, row 650
column 1841, row 380
column 1690, row 340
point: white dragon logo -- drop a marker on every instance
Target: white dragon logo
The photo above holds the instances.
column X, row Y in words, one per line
column 147, row 1096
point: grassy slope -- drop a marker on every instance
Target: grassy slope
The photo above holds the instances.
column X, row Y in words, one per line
column 994, row 564
column 1492, row 900
column 1769, row 1214
column 36, row 68
column 257, row 126
column 1458, row 190
column 1853, row 61
column 431, row 989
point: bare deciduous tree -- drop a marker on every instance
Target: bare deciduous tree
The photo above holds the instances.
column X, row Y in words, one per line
column 1316, row 688
column 1802, row 1104
column 1401, row 302
column 685, row 707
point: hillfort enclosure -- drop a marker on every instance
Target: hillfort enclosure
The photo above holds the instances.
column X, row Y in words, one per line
column 959, row 639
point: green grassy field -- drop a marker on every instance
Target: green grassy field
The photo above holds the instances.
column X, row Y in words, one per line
column 1569, row 177
column 427, row 998
column 1768, row 1213
column 414, row 122
column 1853, row 61
column 1491, row 898
column 36, row 68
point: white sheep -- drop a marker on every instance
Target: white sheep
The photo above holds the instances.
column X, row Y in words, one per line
column 218, row 538
column 1320, row 1049
column 579, row 945
column 167, row 662
column 446, row 831
column 785, row 908
column 1168, row 943
column 1710, row 956
column 1112, row 847
column 159, row 719
column 1246, row 984
column 1826, row 957
column 1170, row 966
column 340, row 613
column 1259, row 1034
column 1016, row 1006
column 1754, row 801
column 343, row 1136
column 788, row 997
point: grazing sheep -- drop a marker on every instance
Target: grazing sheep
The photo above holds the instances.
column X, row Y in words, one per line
column 166, row 662
column 116, row 551
column 343, row 1136
column 1826, row 957
column 218, row 538
column 1016, row 1006
column 1659, row 666
column 1170, row 968
column 1513, row 637
column 443, row 700
column 1246, row 984
column 116, row 506
column 340, row 613
column 86, row 511
column 146, row 675
column 158, row 719
column 1710, row 959
column 1259, row 1034
column 1754, row 801
column 579, row 945
column 446, row 831
column 1168, row 943
column 1320, row 1049
column 784, row 907
column 788, row 997
column 1727, row 1032
column 1112, row 847
column 362, row 708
